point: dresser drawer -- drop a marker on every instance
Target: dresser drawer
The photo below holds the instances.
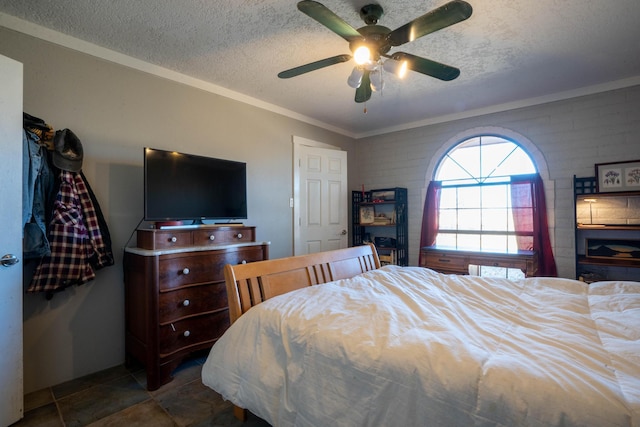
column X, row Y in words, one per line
column 192, row 331
column 190, row 301
column 177, row 270
column 205, row 237
column 164, row 239
column 446, row 262
column 452, row 261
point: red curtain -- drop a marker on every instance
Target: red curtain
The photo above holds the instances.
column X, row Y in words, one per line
column 529, row 215
column 530, row 218
column 430, row 216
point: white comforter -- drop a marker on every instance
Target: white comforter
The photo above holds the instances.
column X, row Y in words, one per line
column 406, row 346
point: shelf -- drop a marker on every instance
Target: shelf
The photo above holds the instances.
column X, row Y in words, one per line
column 386, row 202
column 607, row 227
column 583, row 260
column 610, row 216
column 394, row 209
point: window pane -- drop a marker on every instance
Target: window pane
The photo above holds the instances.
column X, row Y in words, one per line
column 451, row 170
column 519, row 163
column 494, row 243
column 448, row 219
column 512, row 244
column 486, row 271
column 448, row 198
column 494, row 196
column 469, row 197
column 467, row 159
column 446, row 240
column 469, row 242
column 495, row 219
column 493, row 155
column 470, row 219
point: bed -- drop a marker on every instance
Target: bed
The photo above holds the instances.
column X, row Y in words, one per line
column 333, row 339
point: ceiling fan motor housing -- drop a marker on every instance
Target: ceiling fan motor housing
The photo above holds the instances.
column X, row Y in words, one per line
column 375, row 38
column 371, row 13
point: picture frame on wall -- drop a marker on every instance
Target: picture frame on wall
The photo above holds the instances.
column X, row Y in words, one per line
column 615, row 249
column 618, row 176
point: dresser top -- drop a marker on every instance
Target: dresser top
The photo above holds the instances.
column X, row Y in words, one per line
column 155, row 252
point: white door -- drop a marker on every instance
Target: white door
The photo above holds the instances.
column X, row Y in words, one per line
column 320, row 194
column 11, row 373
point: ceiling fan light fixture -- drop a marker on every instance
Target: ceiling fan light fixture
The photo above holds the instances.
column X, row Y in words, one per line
column 377, row 82
column 393, row 66
column 362, row 55
column 371, row 43
column 355, row 78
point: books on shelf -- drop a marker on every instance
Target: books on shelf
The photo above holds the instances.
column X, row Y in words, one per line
column 388, row 258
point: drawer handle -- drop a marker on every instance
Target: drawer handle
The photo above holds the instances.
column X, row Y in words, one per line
column 186, row 303
column 186, row 271
column 244, row 261
column 212, row 237
column 239, row 235
column 444, row 260
column 173, row 239
column 186, row 333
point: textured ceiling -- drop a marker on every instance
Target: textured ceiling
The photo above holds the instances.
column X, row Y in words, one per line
column 508, row 51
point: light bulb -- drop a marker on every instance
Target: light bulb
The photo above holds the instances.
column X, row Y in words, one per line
column 399, row 68
column 362, row 55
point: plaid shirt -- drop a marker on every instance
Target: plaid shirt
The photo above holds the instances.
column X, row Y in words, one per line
column 76, row 242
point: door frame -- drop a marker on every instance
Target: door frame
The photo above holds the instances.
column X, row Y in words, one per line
column 297, row 142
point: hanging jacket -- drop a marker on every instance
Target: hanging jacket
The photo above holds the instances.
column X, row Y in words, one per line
column 37, row 193
column 103, row 252
column 77, row 243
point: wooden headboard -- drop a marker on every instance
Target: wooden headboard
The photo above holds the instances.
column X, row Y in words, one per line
column 252, row 283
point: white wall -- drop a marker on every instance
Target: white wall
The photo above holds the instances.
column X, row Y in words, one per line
column 572, row 136
column 116, row 111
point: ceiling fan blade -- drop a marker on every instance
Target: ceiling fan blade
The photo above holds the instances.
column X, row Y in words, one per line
column 312, row 66
column 326, row 17
column 363, row 93
column 427, row 66
column 448, row 14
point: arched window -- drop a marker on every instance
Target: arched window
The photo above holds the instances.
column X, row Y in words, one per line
column 487, row 195
column 475, row 200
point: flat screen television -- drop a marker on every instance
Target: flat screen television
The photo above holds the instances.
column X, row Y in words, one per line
column 180, row 187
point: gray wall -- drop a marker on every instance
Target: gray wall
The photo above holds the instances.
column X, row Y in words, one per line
column 116, row 111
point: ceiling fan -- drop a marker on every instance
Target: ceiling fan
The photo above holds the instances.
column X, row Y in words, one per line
column 371, row 43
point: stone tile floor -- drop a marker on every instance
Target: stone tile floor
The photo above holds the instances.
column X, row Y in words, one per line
column 118, row 397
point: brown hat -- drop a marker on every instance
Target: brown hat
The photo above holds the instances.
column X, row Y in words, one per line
column 67, row 154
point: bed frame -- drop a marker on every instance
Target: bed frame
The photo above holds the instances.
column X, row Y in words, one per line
column 252, row 283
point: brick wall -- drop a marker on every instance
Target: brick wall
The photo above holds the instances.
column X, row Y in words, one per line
column 569, row 138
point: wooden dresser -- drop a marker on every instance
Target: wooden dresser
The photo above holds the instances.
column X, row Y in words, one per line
column 457, row 262
column 175, row 295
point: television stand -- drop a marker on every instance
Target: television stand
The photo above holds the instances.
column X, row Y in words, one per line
column 175, row 296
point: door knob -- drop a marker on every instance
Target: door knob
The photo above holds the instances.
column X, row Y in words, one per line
column 8, row 260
